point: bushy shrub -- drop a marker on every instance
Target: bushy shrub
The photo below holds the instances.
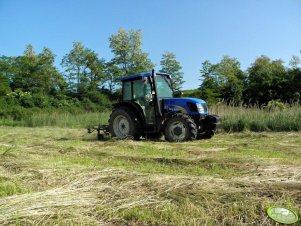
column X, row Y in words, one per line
column 15, row 112
column 18, row 113
column 21, row 98
column 240, row 125
column 11, row 99
column 88, row 105
column 284, row 122
column 232, row 124
column 206, row 94
column 100, row 99
column 257, row 126
column 40, row 100
column 275, row 105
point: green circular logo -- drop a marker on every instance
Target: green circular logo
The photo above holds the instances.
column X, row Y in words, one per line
column 282, row 215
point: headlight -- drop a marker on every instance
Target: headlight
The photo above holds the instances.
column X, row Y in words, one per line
column 200, row 108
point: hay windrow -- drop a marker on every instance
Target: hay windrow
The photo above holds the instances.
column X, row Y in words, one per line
column 111, row 188
column 52, row 178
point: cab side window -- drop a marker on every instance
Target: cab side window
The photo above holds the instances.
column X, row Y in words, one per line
column 127, row 91
column 138, row 90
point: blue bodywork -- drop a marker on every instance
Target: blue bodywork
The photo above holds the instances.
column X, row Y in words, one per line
column 182, row 105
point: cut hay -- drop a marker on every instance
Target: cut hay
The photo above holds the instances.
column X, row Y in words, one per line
column 110, row 188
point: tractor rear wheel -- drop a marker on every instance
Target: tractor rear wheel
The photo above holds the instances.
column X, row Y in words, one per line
column 124, row 122
column 180, row 128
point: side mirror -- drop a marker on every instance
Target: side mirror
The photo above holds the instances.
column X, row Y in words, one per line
column 178, row 94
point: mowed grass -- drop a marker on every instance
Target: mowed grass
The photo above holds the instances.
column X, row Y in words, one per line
column 64, row 176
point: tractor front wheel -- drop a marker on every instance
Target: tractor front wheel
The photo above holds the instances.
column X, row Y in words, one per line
column 180, row 128
column 124, row 122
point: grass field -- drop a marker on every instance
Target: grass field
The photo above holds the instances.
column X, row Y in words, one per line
column 234, row 119
column 63, row 176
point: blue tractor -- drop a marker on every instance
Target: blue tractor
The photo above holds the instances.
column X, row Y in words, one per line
column 149, row 109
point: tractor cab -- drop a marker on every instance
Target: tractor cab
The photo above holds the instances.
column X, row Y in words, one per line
column 149, row 109
column 140, row 89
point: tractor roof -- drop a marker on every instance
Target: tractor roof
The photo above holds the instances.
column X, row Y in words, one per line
column 146, row 74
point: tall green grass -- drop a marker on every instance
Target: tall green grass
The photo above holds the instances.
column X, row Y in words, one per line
column 9, row 121
column 58, row 119
column 233, row 118
column 238, row 119
column 68, row 120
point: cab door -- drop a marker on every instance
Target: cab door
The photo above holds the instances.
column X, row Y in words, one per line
column 142, row 95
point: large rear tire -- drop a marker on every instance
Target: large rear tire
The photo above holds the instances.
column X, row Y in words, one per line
column 124, row 123
column 180, row 128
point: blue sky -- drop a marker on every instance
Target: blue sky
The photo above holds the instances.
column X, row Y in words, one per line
column 194, row 30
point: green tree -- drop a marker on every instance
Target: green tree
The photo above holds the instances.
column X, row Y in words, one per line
column 210, row 86
column 231, row 79
column 36, row 72
column 128, row 55
column 224, row 80
column 295, row 62
column 171, row 66
column 293, row 85
column 113, row 75
column 266, row 80
column 5, row 74
column 4, row 85
column 84, row 70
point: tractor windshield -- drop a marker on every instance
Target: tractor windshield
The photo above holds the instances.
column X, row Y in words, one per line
column 164, row 87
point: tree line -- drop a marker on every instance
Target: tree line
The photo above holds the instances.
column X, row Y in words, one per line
column 89, row 82
column 264, row 81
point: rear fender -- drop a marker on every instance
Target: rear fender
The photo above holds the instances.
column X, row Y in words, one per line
column 134, row 106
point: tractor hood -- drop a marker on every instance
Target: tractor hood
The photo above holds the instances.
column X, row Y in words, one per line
column 191, row 106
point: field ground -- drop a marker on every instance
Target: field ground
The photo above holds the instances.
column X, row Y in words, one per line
column 60, row 176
